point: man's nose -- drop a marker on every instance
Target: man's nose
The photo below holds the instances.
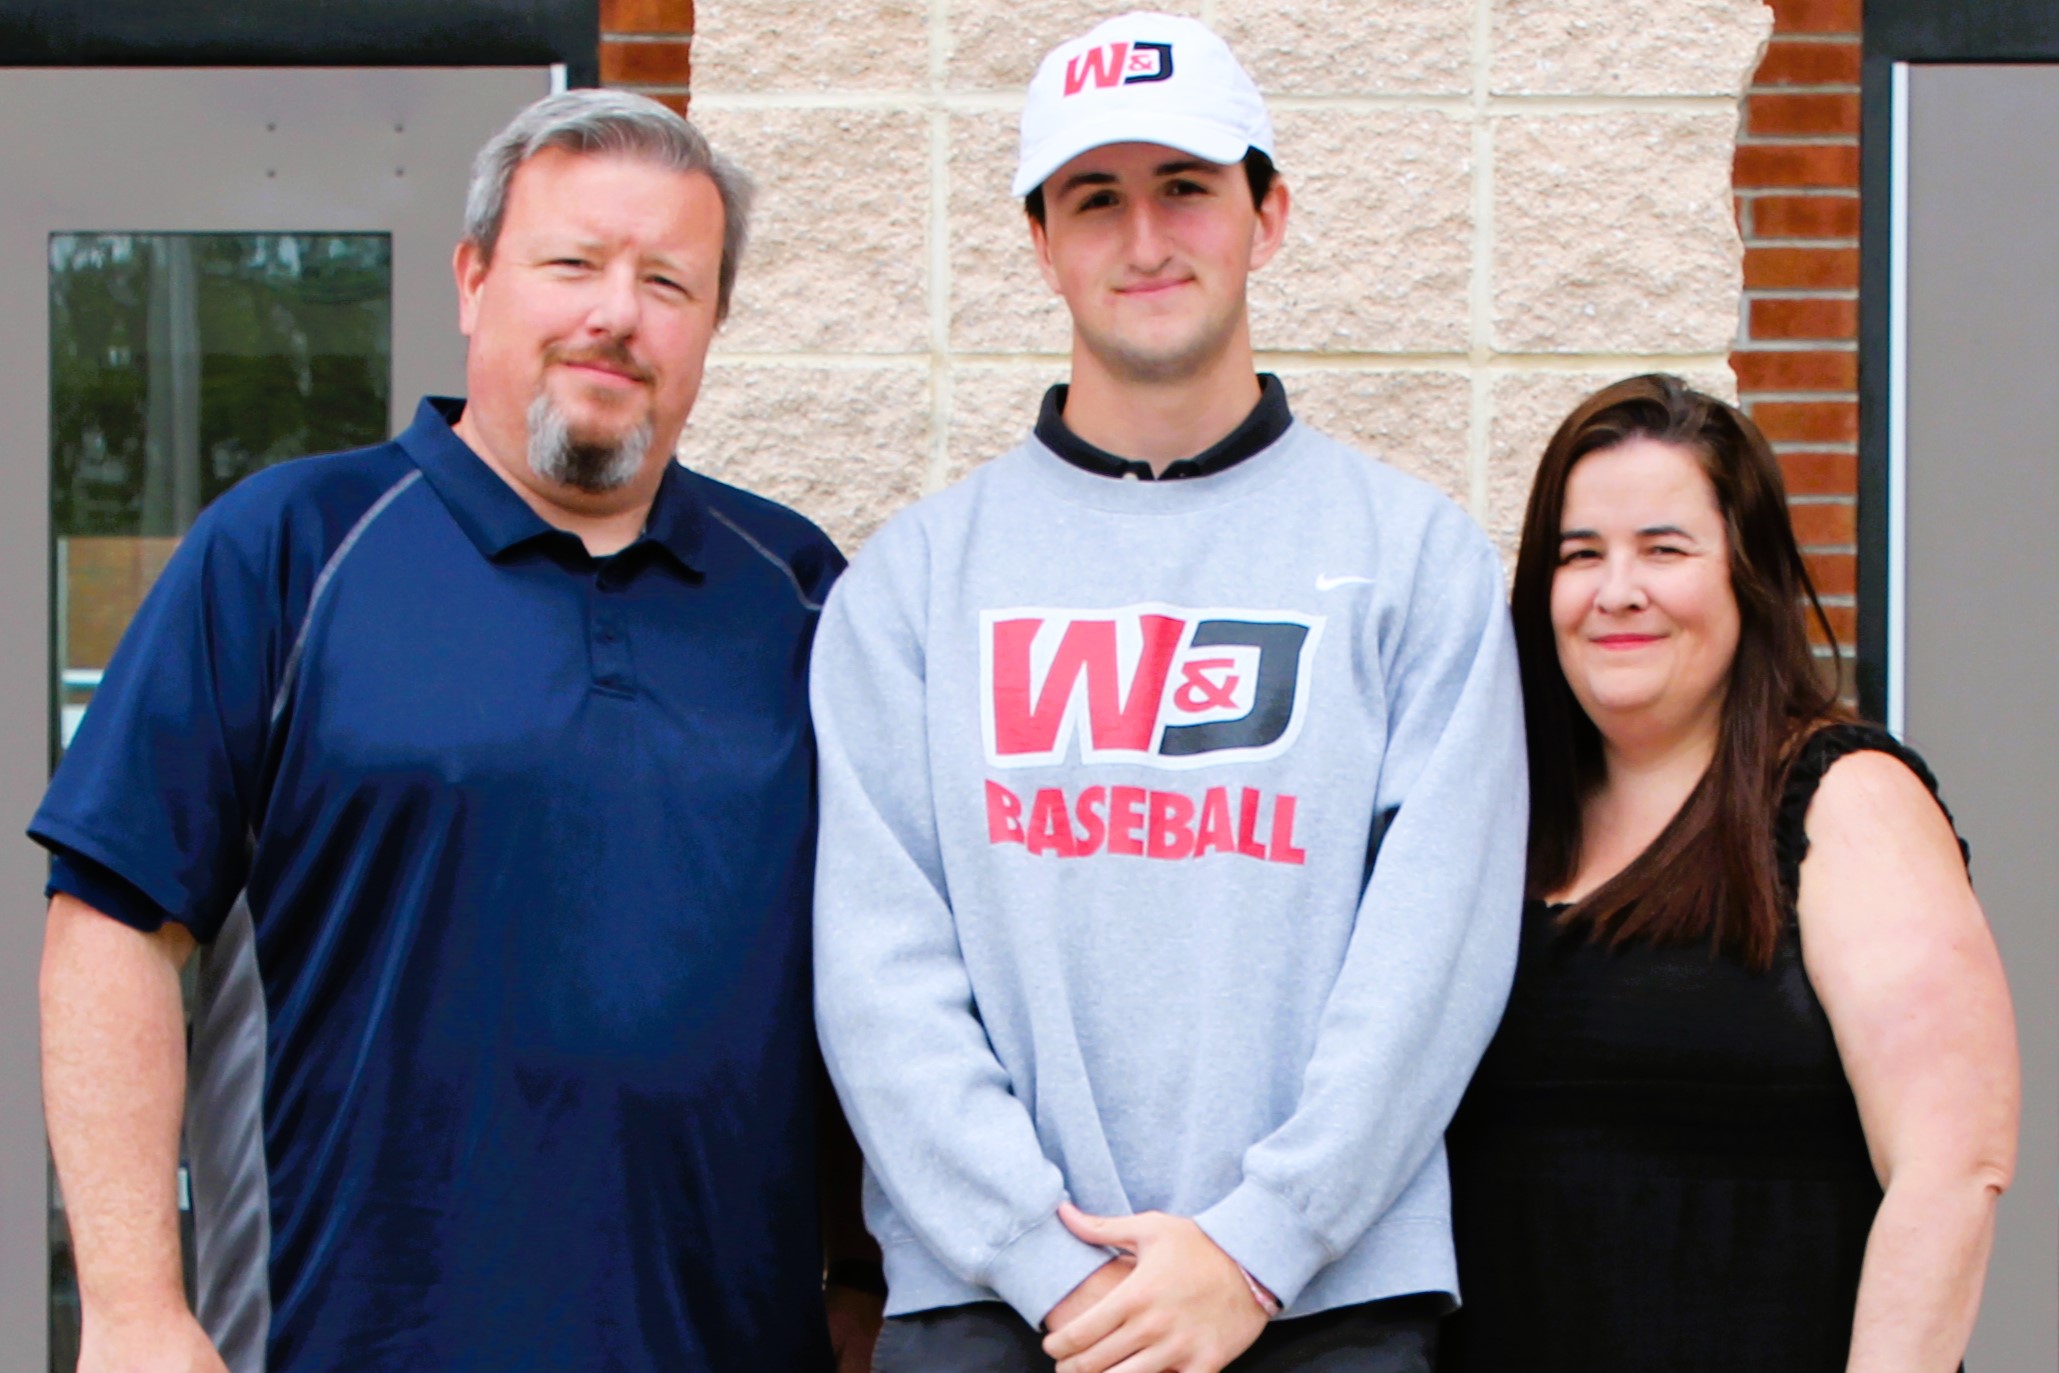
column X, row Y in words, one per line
column 1147, row 241
column 616, row 307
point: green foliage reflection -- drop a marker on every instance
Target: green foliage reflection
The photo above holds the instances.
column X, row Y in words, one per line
column 181, row 363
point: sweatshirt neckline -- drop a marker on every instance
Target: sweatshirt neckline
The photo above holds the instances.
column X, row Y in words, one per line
column 1257, row 431
column 1130, row 496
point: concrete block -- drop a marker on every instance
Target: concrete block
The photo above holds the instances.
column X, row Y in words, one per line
column 1395, row 47
column 1527, row 409
column 767, row 46
column 1613, row 233
column 993, row 408
column 1643, row 47
column 846, row 446
column 999, row 302
column 839, row 256
column 1416, row 421
column 1378, row 255
column 996, row 47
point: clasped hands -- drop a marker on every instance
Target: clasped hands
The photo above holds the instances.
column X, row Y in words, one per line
column 1170, row 1302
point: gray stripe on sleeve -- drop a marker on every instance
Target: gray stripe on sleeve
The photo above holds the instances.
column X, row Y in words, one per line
column 322, row 580
column 769, row 556
column 225, row 1148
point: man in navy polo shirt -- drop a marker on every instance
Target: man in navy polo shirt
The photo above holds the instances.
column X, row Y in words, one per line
column 477, row 768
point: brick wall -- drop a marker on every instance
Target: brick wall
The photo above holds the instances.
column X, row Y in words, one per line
column 1797, row 202
column 646, row 47
column 1797, row 186
column 1499, row 205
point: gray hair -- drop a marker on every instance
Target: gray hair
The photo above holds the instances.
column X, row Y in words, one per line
column 607, row 122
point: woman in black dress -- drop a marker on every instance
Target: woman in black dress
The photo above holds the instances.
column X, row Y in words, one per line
column 1755, row 1093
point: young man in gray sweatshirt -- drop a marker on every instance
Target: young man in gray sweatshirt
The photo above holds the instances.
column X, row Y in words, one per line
column 1172, row 811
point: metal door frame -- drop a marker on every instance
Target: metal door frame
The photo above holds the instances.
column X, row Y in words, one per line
column 338, row 150
column 1901, row 35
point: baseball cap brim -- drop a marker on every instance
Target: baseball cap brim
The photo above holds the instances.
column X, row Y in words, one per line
column 1199, row 138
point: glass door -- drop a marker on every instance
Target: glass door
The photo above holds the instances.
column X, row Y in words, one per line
column 259, row 269
column 180, row 364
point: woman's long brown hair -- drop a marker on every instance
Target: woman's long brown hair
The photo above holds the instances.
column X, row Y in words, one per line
column 1712, row 872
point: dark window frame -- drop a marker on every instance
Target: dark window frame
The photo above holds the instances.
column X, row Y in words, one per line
column 319, row 33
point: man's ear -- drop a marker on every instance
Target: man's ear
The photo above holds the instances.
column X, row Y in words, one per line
column 1269, row 231
column 468, row 264
column 1040, row 239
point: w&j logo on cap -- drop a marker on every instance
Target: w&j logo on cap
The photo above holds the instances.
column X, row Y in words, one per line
column 1140, row 78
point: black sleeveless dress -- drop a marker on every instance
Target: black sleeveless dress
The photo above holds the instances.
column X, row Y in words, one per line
column 1659, row 1164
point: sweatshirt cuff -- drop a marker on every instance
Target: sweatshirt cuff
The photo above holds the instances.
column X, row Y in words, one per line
column 1268, row 1237
column 1035, row 1270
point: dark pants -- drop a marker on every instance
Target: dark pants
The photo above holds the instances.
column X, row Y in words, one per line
column 1398, row 1335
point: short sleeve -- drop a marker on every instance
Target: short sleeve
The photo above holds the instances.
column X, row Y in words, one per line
column 149, row 815
column 1815, row 757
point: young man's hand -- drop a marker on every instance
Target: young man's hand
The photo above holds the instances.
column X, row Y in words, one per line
column 1185, row 1306
column 1098, row 1284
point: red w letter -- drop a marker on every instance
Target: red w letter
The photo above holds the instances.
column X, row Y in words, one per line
column 1113, row 720
column 1103, row 65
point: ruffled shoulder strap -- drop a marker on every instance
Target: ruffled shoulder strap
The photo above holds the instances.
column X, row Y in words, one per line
column 1818, row 752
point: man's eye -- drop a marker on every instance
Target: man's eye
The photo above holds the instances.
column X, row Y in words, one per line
column 667, row 284
column 1098, row 200
column 1185, row 188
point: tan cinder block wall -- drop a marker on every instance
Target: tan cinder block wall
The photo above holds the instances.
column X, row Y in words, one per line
column 1498, row 205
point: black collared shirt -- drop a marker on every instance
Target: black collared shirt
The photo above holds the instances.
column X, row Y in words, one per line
column 1261, row 429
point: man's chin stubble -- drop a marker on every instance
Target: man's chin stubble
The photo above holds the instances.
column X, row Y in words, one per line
column 595, row 465
column 1160, row 367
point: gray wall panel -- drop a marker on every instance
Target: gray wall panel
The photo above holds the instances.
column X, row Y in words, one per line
column 1982, row 577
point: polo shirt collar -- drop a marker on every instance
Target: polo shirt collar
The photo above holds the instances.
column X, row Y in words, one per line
column 1262, row 428
column 496, row 519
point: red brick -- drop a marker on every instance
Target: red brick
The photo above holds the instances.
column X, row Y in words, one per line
column 646, row 16
column 1820, row 474
column 1844, row 622
column 1804, row 319
column 645, row 64
column 1835, row 574
column 1815, row 16
column 1816, row 165
column 673, row 102
column 1801, row 269
column 1807, row 421
column 1804, row 216
column 1809, row 64
column 1830, row 525
column 1829, row 370
column 1790, row 115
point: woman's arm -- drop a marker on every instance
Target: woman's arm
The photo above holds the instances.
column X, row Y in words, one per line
column 1901, row 956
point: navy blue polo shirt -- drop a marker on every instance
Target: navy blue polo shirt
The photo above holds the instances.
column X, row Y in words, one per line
column 500, row 857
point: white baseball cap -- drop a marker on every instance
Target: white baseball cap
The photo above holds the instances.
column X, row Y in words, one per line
column 1140, row 78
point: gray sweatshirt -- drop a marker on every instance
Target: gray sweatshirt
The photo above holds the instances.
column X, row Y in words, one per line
column 1171, row 859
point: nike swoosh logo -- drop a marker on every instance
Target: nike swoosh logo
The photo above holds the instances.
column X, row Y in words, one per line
column 1323, row 583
